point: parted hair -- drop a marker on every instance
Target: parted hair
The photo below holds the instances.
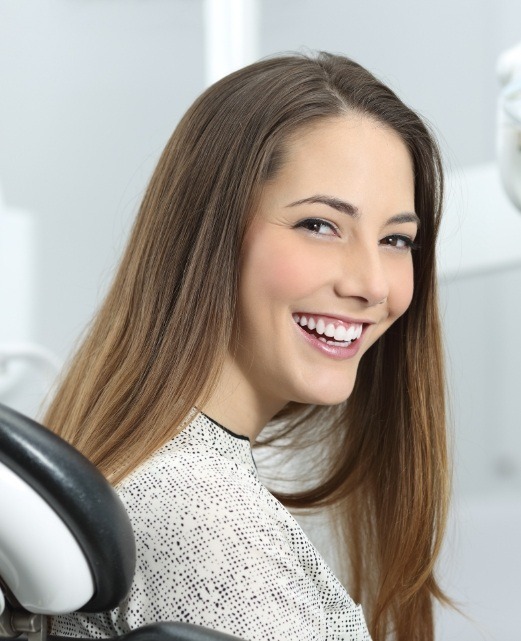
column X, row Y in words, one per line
column 158, row 341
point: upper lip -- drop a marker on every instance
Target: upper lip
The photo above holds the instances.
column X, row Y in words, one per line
column 338, row 317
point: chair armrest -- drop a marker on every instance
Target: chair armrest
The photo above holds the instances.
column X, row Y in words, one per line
column 166, row 632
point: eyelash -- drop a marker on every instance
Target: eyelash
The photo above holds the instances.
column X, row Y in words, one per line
column 409, row 242
column 309, row 223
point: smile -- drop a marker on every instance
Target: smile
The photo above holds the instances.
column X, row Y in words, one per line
column 329, row 331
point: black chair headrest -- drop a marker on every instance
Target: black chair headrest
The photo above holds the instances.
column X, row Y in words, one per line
column 82, row 498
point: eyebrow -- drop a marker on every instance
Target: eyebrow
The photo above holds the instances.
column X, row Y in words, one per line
column 405, row 217
column 340, row 205
column 349, row 209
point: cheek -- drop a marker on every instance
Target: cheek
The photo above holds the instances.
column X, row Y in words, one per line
column 286, row 277
column 277, row 270
column 402, row 290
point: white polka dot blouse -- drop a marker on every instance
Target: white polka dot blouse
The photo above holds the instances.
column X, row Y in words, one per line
column 215, row 548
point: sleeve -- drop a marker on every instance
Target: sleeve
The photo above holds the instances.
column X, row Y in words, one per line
column 212, row 552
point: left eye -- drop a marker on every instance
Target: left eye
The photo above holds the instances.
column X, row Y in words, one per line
column 317, row 226
column 399, row 242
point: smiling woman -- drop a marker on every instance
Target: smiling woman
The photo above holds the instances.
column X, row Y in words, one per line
column 281, row 271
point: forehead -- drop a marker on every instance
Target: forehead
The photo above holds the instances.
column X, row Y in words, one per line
column 352, row 157
column 343, row 139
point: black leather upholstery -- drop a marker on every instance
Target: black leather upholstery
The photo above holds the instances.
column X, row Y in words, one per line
column 167, row 632
column 81, row 496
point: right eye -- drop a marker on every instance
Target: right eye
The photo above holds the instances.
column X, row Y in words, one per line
column 317, row 226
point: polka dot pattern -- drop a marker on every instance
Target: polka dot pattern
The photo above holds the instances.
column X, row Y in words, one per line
column 215, row 548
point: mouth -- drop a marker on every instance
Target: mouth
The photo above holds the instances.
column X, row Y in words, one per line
column 330, row 331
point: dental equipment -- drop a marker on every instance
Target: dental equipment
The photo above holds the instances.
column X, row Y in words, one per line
column 509, row 123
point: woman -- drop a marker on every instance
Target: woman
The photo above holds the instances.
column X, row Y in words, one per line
column 281, row 270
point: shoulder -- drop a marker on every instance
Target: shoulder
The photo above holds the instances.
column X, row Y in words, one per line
column 179, row 471
column 192, row 492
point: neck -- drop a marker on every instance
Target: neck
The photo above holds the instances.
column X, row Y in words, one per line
column 238, row 406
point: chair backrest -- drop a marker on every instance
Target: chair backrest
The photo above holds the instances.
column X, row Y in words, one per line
column 66, row 542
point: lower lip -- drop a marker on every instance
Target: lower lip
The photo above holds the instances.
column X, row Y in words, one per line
column 332, row 351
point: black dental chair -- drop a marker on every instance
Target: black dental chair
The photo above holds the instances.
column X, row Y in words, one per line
column 66, row 543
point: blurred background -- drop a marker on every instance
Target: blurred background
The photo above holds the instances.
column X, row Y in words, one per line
column 90, row 92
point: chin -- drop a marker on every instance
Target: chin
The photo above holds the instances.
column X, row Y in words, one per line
column 327, row 394
column 333, row 399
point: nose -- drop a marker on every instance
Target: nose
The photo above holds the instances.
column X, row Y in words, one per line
column 363, row 276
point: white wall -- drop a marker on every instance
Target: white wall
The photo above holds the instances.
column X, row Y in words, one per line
column 91, row 90
column 440, row 56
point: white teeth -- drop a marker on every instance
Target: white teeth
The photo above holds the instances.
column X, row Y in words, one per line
column 330, row 330
column 320, row 327
column 340, row 333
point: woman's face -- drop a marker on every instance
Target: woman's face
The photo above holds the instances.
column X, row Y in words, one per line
column 326, row 266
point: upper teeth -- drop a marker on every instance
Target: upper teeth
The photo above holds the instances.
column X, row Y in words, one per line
column 340, row 333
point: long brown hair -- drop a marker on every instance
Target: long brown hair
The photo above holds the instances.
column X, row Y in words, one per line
column 157, row 344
